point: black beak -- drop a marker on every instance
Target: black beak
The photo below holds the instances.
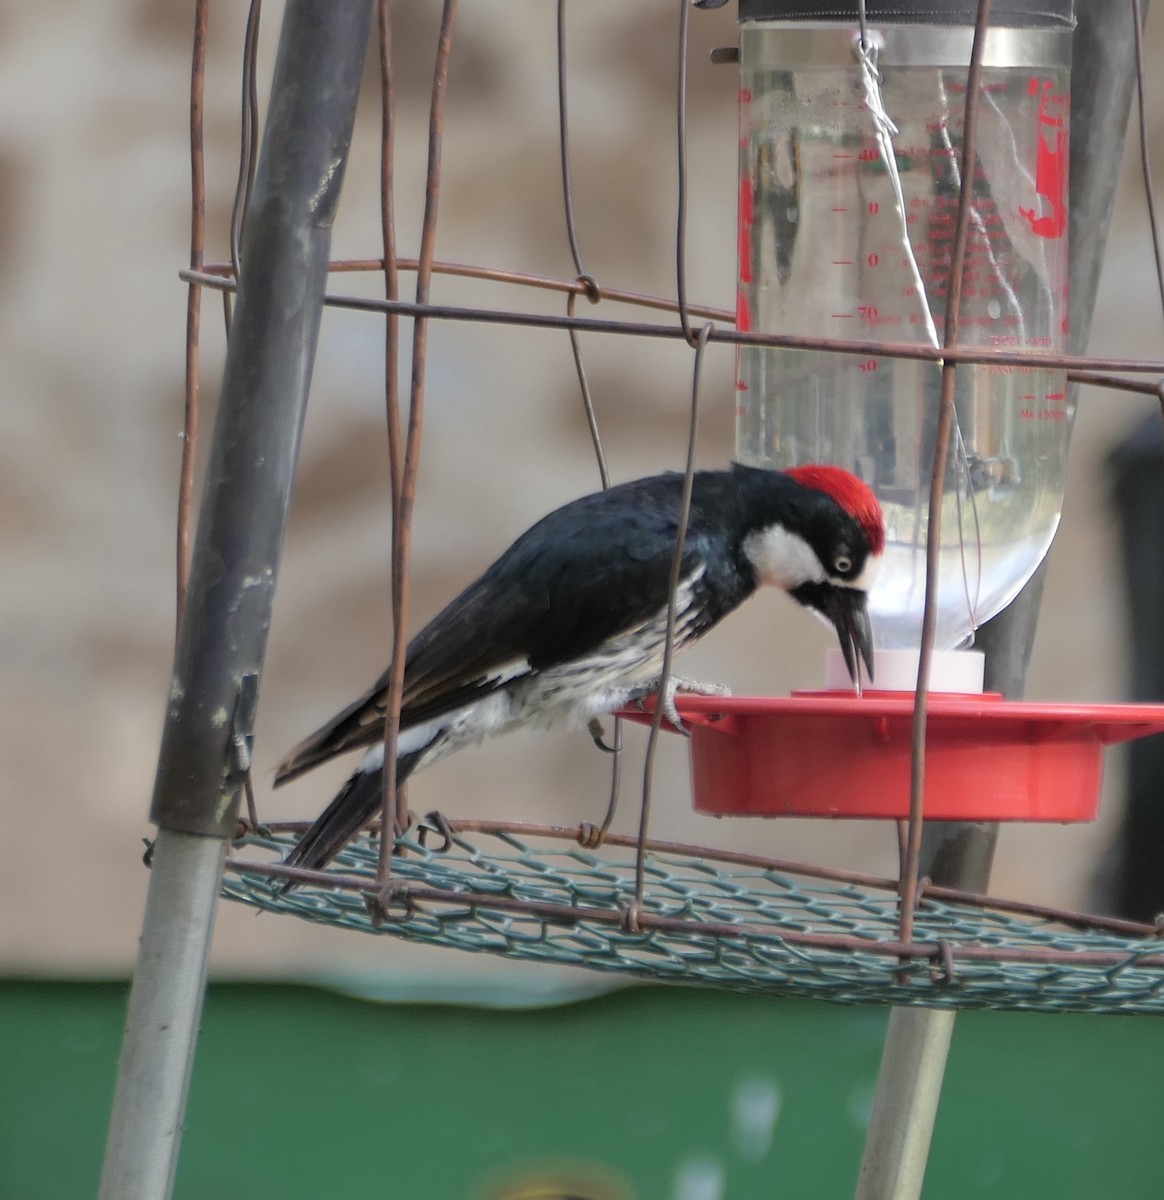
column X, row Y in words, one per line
column 845, row 609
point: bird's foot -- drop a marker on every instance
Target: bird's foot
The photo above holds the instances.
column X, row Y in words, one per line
column 676, row 684
column 436, row 822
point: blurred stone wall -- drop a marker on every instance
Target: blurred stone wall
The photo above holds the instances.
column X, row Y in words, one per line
column 94, row 198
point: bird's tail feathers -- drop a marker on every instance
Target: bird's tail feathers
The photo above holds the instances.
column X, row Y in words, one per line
column 360, row 724
column 355, row 804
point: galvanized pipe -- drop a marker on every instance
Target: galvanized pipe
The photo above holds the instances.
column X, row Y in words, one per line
column 165, row 1005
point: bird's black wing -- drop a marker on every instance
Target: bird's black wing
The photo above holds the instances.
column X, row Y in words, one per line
column 597, row 567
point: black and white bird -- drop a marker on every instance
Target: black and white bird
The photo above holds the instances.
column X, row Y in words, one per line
column 570, row 622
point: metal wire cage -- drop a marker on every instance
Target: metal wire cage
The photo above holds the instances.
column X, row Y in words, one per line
column 643, row 908
column 633, row 906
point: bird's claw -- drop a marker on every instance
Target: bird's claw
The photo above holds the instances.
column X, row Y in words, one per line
column 598, row 736
column 676, row 684
column 670, row 711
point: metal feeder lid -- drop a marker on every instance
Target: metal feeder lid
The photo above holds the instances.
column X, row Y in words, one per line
column 1011, row 14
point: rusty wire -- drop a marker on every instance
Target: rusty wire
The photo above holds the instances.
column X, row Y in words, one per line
column 394, row 808
column 564, row 144
column 681, row 182
column 248, row 141
column 389, row 263
column 594, row 294
column 1145, row 156
column 672, row 602
column 390, row 797
column 698, row 342
column 220, row 276
column 1146, row 163
column 938, row 476
column 1118, row 383
column 968, row 355
column 193, row 304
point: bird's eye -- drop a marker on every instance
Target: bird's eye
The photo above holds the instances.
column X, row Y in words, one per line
column 842, row 564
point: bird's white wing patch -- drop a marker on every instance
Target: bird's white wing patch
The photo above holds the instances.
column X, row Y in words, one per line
column 503, row 674
column 373, row 760
column 492, row 713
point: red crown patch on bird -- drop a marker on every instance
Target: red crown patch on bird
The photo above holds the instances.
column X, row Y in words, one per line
column 852, row 494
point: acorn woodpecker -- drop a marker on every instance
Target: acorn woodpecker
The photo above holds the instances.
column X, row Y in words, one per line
column 570, row 622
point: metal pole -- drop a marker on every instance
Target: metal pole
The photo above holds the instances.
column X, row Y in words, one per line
column 960, row 854
column 206, row 740
column 164, row 1008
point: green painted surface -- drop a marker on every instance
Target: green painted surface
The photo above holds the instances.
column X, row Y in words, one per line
column 303, row 1093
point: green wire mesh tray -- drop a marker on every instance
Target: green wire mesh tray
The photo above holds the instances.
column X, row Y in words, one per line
column 715, row 919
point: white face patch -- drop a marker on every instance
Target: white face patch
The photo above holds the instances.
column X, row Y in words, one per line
column 785, row 560
column 782, row 559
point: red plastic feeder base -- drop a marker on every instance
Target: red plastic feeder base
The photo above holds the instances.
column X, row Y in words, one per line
column 836, row 754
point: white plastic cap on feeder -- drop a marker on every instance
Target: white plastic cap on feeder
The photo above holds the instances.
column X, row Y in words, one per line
column 896, row 671
column 850, row 169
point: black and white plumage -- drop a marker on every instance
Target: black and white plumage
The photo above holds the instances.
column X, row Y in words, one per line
column 570, row 622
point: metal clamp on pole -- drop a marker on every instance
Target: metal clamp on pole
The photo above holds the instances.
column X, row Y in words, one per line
column 223, row 636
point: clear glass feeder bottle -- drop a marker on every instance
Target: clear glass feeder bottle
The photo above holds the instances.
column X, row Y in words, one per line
column 847, row 226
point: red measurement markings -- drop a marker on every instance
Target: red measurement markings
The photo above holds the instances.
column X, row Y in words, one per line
column 1050, row 162
column 1010, row 339
column 743, row 312
column 747, row 220
column 1008, row 369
